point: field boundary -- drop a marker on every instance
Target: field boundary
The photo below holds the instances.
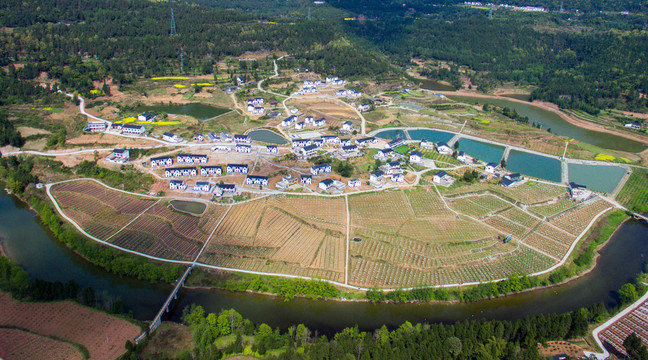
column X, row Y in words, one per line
column 337, row 283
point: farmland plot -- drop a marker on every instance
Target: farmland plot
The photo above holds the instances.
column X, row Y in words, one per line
column 576, row 220
column 122, row 203
column 427, row 203
column 385, row 210
column 554, row 208
column 21, row 345
column 270, row 235
column 70, row 322
column 445, row 230
column 324, row 211
column 161, row 230
column 478, row 206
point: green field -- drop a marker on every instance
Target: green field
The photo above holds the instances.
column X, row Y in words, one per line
column 634, row 194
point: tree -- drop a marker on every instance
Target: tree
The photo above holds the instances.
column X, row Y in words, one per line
column 454, row 346
column 503, row 163
column 635, row 348
column 627, row 293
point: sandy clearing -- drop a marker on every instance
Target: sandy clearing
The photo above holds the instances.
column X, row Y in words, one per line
column 92, row 139
column 28, row 131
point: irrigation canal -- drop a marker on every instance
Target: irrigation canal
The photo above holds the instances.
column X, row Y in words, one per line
column 33, row 246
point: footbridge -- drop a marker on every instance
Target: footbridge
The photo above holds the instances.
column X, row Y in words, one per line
column 174, row 295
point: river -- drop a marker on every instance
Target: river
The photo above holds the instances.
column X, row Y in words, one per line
column 32, row 246
column 558, row 125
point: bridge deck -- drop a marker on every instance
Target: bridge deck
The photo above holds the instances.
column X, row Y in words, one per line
column 165, row 307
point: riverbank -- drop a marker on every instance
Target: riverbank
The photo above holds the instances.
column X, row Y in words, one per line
column 554, row 109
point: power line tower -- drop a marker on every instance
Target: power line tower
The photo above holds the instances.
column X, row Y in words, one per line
column 173, row 25
column 309, row 13
column 490, row 11
column 562, row 8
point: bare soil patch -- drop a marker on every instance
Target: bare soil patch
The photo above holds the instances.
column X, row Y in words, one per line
column 103, row 335
column 561, row 347
column 29, row 131
column 169, row 339
column 94, row 139
column 17, row 345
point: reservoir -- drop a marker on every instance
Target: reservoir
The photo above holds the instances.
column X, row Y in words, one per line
column 538, row 166
column 267, row 136
column 430, row 135
column 559, row 126
column 392, row 134
column 598, row 178
column 32, row 246
column 196, row 110
column 191, row 207
column 481, row 150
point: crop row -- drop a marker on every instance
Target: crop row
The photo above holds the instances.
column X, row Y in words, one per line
column 547, row 245
column 507, row 226
column 427, row 203
column 445, row 230
column 122, row 203
column 103, row 335
column 186, row 248
column 366, row 272
column 276, row 228
column 87, row 207
column 635, row 191
column 385, row 210
column 555, row 233
column 242, row 221
column 478, row 206
column 314, row 208
column 560, row 205
column 635, row 321
column 330, row 256
column 186, row 225
column 18, row 344
column 267, row 266
column 576, row 220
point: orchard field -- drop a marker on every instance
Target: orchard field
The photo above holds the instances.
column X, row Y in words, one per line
column 396, row 238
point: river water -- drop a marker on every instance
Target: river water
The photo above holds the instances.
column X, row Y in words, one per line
column 559, row 126
column 32, row 246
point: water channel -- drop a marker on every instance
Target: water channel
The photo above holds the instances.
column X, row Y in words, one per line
column 559, row 126
column 32, row 246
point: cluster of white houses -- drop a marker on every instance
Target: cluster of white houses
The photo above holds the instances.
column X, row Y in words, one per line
column 204, row 187
column 301, row 125
column 95, row 125
column 254, row 106
column 191, row 159
column 349, row 93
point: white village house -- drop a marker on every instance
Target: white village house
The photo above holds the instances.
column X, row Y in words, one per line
column 133, row 129
column 320, row 169
column 237, row 169
column 161, row 161
column 177, row 185
column 210, row 170
column 443, row 149
column 256, row 180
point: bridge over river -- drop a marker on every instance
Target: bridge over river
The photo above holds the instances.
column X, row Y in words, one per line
column 157, row 320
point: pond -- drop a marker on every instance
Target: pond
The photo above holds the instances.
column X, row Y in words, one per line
column 435, row 85
column 481, row 150
column 559, row 126
column 392, row 134
column 538, row 166
column 192, row 207
column 33, row 247
column 267, row 136
column 599, row 178
column 430, row 135
column 196, row 110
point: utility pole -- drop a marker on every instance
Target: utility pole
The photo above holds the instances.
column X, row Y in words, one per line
column 181, row 60
column 309, row 13
column 173, row 25
column 562, row 9
column 490, row 11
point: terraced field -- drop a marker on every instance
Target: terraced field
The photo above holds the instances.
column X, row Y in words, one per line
column 397, row 238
